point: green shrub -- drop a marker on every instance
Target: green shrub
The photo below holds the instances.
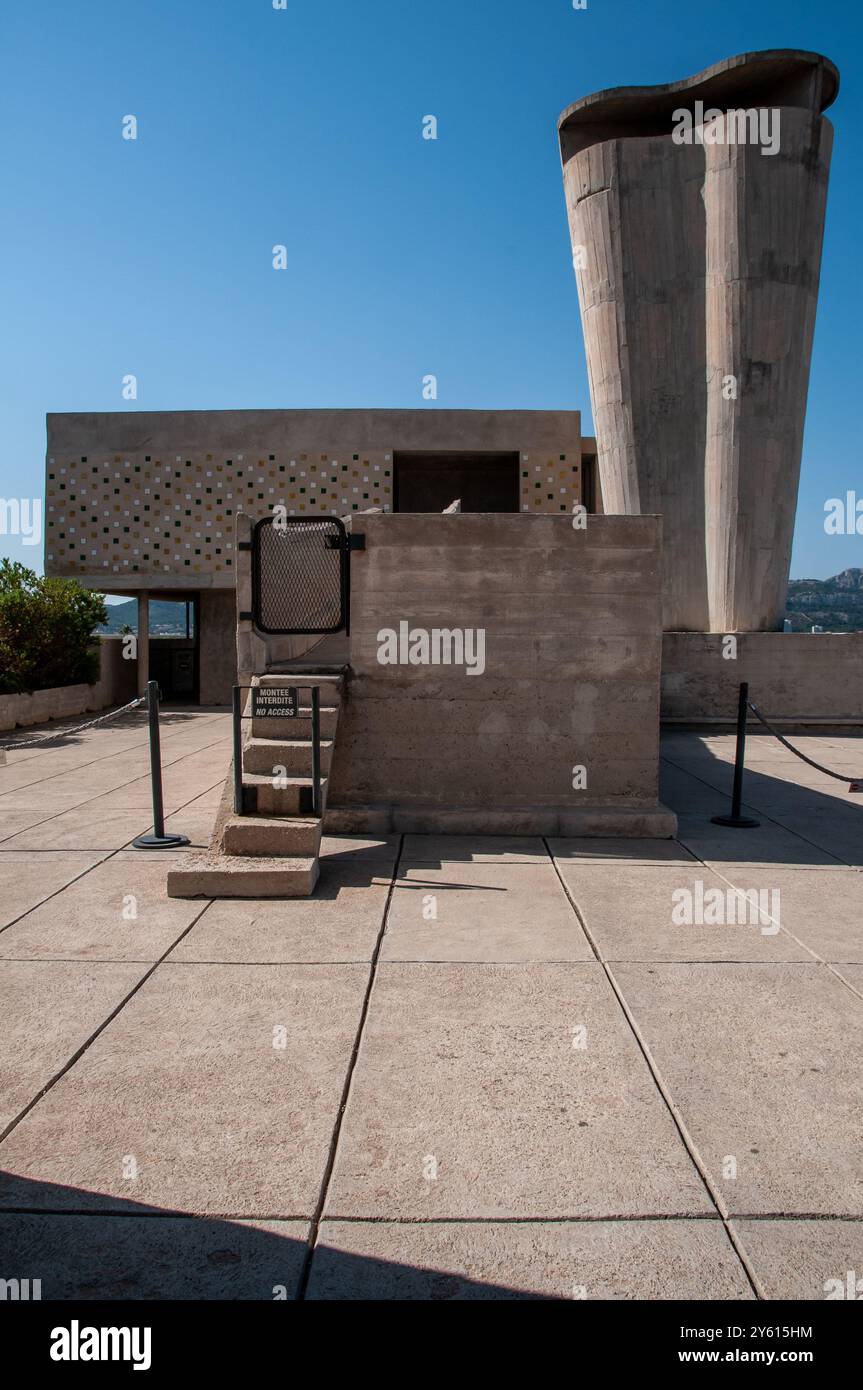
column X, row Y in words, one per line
column 46, row 631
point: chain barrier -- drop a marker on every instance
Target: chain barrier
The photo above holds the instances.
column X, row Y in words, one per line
column 736, row 817
column 79, row 728
column 840, row 777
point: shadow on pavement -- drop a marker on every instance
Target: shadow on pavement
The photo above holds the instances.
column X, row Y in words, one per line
column 135, row 1252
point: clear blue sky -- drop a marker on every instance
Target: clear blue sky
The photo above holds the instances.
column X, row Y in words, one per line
column 406, row 257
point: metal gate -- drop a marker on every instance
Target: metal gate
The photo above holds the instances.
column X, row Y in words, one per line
column 300, row 575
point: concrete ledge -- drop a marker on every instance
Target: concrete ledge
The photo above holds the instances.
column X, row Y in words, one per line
column 62, row 702
column 115, row 686
column 649, row 822
column 799, row 727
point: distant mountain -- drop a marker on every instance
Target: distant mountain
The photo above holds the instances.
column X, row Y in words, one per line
column 835, row 604
column 166, row 617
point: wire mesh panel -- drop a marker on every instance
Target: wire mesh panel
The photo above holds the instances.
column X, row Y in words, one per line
column 300, row 575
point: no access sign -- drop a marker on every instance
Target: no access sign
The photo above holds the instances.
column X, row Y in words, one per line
column 275, row 701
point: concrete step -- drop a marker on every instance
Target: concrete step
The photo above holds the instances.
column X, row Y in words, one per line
column 300, row 727
column 294, row 755
column 262, row 798
column 330, row 686
column 233, row 876
column 272, row 837
column 308, row 669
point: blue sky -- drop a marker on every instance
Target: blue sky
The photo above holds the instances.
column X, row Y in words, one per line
column 405, row 256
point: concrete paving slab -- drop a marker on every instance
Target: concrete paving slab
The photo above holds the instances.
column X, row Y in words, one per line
column 137, row 796
column 47, row 796
column 11, row 822
column 838, row 832
column 770, row 843
column 187, row 1091
column 177, row 792
column 195, row 822
column 118, row 911
column 799, row 802
column 684, row 793
column 160, row 856
column 822, row 907
column 340, row 923
column 479, row 1075
column 345, row 849
column 482, row 912
column 49, row 1010
column 471, row 1261
column 155, row 1257
column 628, row 851
column 634, row 912
column 805, row 1261
column 85, row 827
column 459, row 849
column 763, row 1062
column 853, row 975
column 28, row 878
column 209, row 800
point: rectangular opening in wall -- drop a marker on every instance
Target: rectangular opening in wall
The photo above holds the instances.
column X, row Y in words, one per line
column 174, row 648
column 589, row 482
column 481, row 482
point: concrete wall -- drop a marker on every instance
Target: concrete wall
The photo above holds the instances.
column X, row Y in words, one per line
column 696, row 264
column 572, row 651
column 799, row 677
column 115, row 686
column 218, row 646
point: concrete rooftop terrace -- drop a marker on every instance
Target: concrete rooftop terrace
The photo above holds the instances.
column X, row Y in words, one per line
column 547, row 1086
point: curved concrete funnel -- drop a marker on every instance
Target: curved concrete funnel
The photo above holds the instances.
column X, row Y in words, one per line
column 696, row 212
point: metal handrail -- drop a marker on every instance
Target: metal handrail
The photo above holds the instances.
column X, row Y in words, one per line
column 238, row 716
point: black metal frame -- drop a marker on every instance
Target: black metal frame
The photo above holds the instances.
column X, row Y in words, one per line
column 237, row 730
column 344, row 547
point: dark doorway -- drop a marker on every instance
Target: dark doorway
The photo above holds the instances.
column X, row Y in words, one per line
column 174, row 648
column 430, row 482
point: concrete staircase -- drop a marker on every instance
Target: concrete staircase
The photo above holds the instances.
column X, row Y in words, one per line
column 271, row 850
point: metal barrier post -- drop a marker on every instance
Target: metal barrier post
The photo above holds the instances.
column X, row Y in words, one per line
column 735, row 819
column 316, row 750
column 158, row 840
column 237, row 712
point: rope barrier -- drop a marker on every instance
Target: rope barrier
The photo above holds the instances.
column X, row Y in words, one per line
column 79, row 728
column 840, row 777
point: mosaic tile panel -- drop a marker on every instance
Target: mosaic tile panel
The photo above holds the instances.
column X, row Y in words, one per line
column 141, row 514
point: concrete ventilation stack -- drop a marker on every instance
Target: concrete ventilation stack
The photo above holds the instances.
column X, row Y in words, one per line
column 698, row 267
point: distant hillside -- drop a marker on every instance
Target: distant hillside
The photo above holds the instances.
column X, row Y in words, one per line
column 835, row 604
column 166, row 617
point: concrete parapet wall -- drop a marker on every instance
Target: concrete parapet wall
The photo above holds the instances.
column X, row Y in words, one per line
column 115, row 686
column 793, row 676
